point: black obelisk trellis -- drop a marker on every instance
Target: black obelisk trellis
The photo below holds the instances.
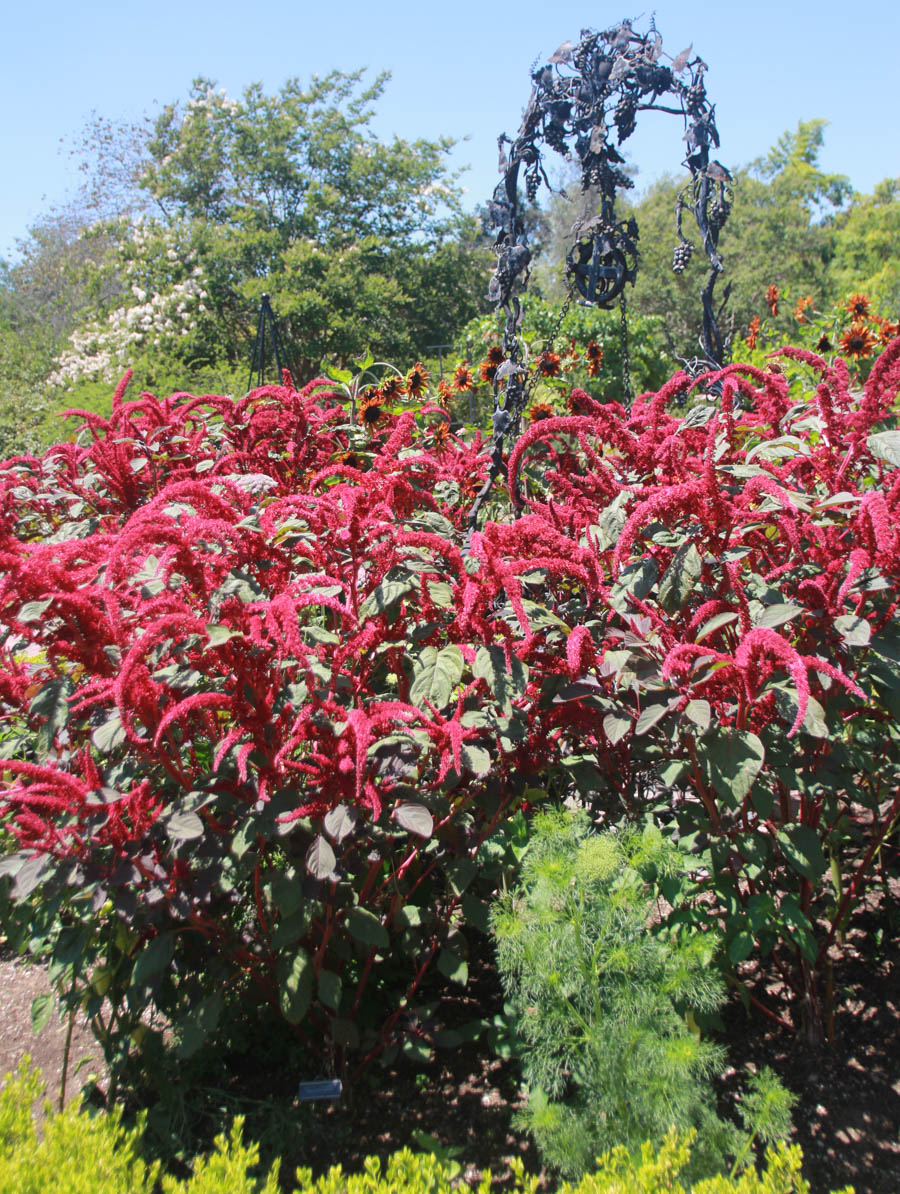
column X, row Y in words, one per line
column 577, row 98
column 258, row 363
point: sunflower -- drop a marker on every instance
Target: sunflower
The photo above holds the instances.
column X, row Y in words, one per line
column 889, row 331
column 470, row 486
column 392, row 388
column 858, row 341
column 463, row 379
column 594, row 358
column 857, row 305
column 416, row 380
column 772, row 298
column 753, row 334
column 824, row 344
column 352, row 459
column 802, row 306
column 548, row 364
column 440, row 434
column 486, row 370
column 540, row 410
column 445, row 392
column 371, row 409
column 575, row 404
column 495, row 354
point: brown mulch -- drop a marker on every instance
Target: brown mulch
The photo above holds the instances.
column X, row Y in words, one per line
column 847, row 1120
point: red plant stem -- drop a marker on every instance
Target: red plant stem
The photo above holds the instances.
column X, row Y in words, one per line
column 860, row 877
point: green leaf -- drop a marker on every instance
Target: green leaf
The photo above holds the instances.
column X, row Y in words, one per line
column 320, row 859
column 340, row 822
column 475, row 758
column 198, row 1023
column 680, row 577
column 435, row 675
column 639, row 578
column 885, row 445
column 217, row 635
column 184, row 826
column 295, row 985
column 384, row 596
column 329, row 988
column 41, row 1010
column 33, row 611
column 476, row 912
column 740, row 946
column 699, row 712
column 366, row 928
column 109, row 735
column 154, row 958
column 856, row 632
column 490, row 665
column 799, row 927
column 801, row 847
column 51, row 705
column 714, row 623
column 648, row 718
column 734, row 758
column 452, row 966
column 414, row 818
column 777, row 615
column 616, row 726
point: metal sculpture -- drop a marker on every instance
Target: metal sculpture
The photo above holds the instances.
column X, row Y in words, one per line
column 577, row 98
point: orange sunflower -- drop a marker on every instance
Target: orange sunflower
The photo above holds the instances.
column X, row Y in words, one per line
column 858, row 305
column 445, row 392
column 540, row 410
column 463, row 380
column 491, row 363
column 824, row 344
column 889, row 331
column 392, row 388
column 593, row 355
column 371, row 409
column 858, row 341
column 802, row 306
column 440, row 434
column 548, row 364
column 753, row 334
column 416, row 380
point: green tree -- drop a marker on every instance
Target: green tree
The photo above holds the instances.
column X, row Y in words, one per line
column 866, row 240
column 185, row 222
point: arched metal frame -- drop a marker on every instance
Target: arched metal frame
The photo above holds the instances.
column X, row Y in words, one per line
column 577, row 98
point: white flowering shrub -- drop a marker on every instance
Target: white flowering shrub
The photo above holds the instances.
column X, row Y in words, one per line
column 160, row 309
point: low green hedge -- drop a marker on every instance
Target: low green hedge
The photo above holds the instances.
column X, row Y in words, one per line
column 79, row 1153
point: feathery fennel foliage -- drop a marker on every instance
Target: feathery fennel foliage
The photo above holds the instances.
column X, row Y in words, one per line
column 601, row 1002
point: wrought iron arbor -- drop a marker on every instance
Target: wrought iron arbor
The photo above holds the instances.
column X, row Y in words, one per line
column 578, row 98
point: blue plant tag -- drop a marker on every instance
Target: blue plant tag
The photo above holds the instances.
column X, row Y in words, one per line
column 327, row 1088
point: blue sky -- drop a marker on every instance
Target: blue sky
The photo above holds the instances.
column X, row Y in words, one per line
column 460, row 70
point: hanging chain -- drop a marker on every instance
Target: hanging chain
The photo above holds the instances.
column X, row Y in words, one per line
column 626, row 356
column 551, row 340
